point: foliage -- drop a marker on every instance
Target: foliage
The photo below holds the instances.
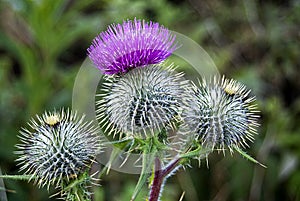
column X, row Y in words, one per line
column 43, row 43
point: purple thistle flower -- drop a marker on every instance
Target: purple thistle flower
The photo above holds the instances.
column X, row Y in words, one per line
column 131, row 44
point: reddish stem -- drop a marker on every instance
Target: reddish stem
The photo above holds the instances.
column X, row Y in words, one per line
column 157, row 181
column 159, row 177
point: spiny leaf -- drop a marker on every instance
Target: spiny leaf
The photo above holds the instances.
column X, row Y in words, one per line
column 148, row 159
column 121, row 144
column 17, row 177
column 77, row 182
column 115, row 153
column 250, row 158
column 196, row 152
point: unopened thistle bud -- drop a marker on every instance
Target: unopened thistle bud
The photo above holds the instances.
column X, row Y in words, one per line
column 57, row 147
column 129, row 45
column 141, row 102
column 221, row 114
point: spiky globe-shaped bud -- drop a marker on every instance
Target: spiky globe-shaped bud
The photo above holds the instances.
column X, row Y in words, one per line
column 221, row 114
column 131, row 44
column 141, row 102
column 57, row 146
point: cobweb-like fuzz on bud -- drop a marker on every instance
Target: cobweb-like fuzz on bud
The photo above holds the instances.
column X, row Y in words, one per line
column 221, row 114
column 142, row 102
column 131, row 44
column 57, row 146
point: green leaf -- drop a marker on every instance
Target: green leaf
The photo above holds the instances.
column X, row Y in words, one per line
column 148, row 159
column 115, row 153
column 77, row 182
column 17, row 177
column 121, row 144
column 250, row 158
column 196, row 152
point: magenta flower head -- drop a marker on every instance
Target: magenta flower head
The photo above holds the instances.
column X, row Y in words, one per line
column 129, row 45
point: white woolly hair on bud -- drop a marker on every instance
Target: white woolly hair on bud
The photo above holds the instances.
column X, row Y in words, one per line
column 141, row 102
column 57, row 146
column 221, row 113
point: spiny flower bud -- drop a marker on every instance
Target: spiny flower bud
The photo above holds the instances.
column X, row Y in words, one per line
column 131, row 44
column 57, row 146
column 221, row 113
column 141, row 102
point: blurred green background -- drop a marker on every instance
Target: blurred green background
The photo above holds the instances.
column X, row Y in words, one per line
column 43, row 44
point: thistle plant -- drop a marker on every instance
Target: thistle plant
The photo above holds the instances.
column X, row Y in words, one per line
column 141, row 99
column 58, row 149
column 142, row 103
column 147, row 107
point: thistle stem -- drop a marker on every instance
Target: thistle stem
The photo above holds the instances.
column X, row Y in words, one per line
column 171, row 166
column 157, row 181
column 160, row 175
